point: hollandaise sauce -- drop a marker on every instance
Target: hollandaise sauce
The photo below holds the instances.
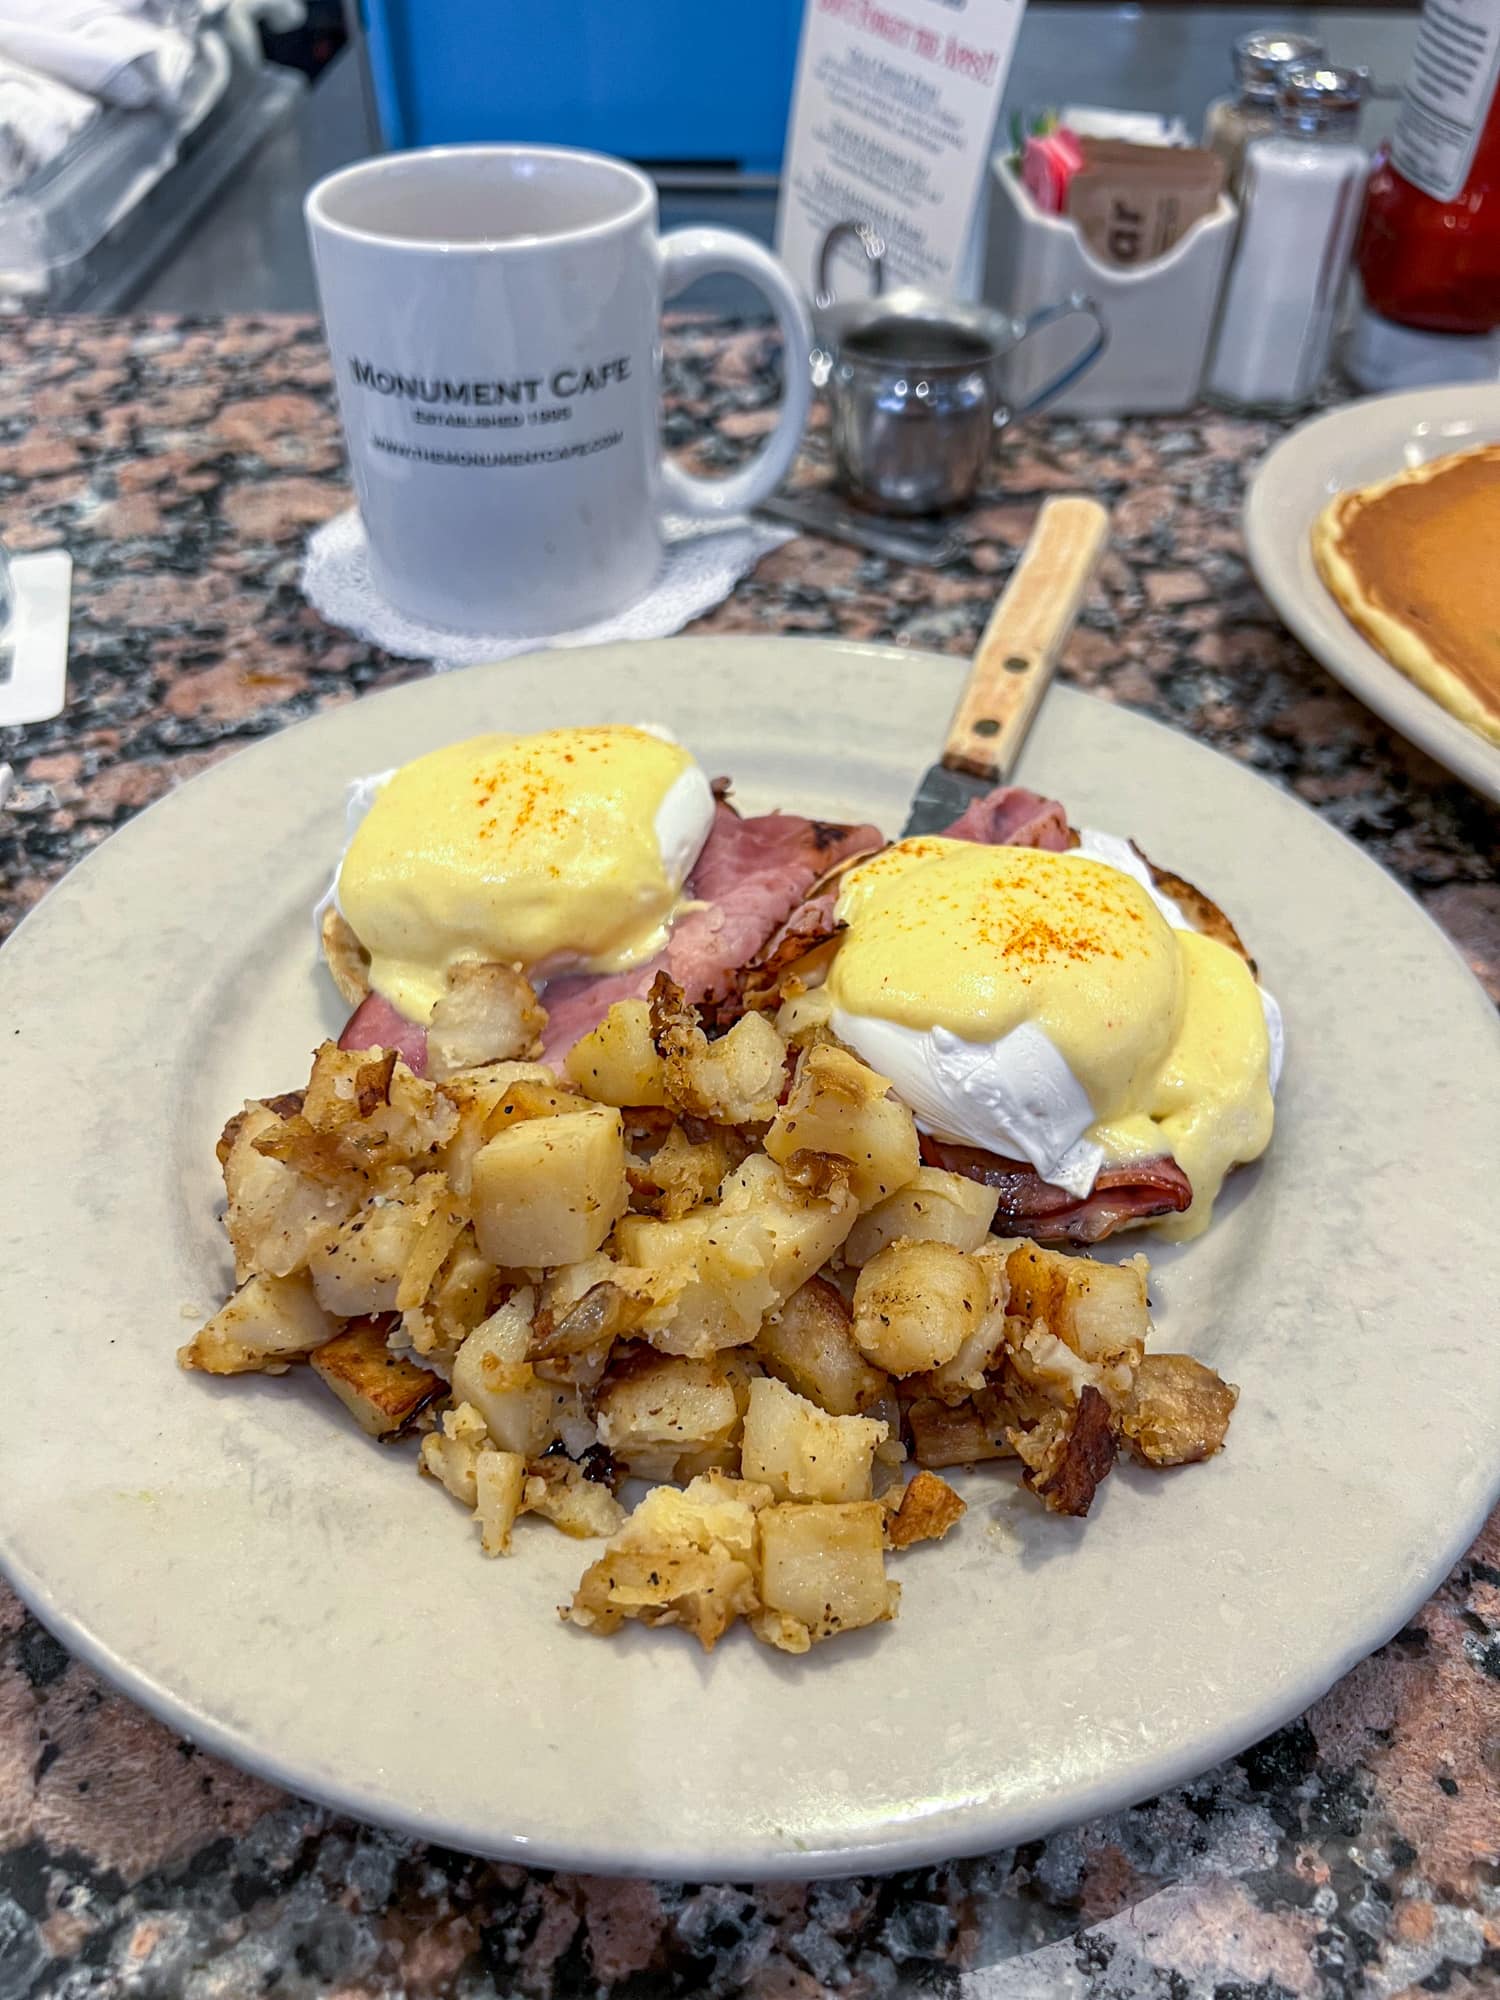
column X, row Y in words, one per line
column 543, row 851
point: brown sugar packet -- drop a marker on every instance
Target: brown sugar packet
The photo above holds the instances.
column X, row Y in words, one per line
column 1132, row 203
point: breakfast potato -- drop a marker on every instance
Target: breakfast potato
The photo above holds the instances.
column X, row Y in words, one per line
column 476, row 1095
column 708, row 1276
column 982, row 1348
column 808, row 1343
column 821, row 1571
column 801, row 1452
column 371, row 1110
column 459, row 1297
column 560, row 1491
column 452, row 1452
column 1098, row 1309
column 805, row 1229
column 928, row 1508
column 550, row 1190
column 1177, row 1411
column 499, row 1483
column 276, row 1217
column 683, row 1173
column 382, row 1391
column 269, row 1322
column 838, row 1105
column 618, row 1062
column 682, row 1558
column 358, row 1271
column 489, row 1013
column 966, row 1434
column 1068, row 1454
column 736, row 1080
column 492, row 1374
column 915, row 1305
column 933, row 1207
column 652, row 1409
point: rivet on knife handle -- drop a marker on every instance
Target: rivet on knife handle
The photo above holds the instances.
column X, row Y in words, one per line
column 1027, row 630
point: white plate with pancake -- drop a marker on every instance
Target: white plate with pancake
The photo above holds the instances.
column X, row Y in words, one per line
column 238, row 1557
column 1359, row 445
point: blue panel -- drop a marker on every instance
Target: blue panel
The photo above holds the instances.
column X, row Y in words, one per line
column 651, row 79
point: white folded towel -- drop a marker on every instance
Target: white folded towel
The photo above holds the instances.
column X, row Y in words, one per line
column 103, row 47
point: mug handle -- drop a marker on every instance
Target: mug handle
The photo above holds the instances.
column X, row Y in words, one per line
column 696, row 253
column 1076, row 302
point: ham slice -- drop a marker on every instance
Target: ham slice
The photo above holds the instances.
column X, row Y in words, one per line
column 1010, row 816
column 375, row 1024
column 1030, row 1206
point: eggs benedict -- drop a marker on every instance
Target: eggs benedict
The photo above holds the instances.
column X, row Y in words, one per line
column 573, row 864
column 1058, row 1027
column 563, row 852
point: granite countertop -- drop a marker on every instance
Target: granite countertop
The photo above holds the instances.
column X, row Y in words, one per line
column 1355, row 1852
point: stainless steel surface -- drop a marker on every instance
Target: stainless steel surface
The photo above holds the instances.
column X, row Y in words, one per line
column 1258, row 59
column 914, row 393
column 930, row 544
column 940, row 798
column 1319, row 98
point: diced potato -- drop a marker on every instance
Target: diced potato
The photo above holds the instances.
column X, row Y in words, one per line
column 499, row 1481
column 944, row 1435
column 809, row 1344
column 550, row 1191
column 838, row 1105
column 475, row 1095
column 452, row 1453
column 277, row 1217
column 382, row 1391
column 916, row 1303
column 981, row 1349
column 710, row 1276
column 492, row 1374
column 929, row 1508
column 933, row 1207
column 457, row 1301
column 1068, row 1454
column 823, row 1567
column 683, row 1558
column 1178, row 1410
column 656, row 1408
column 682, row 1173
column 487, row 1014
column 1098, row 1309
column 736, row 1080
column 805, row 1230
column 801, row 1452
column 374, row 1108
column 617, row 1062
column 358, row 1271
column 562, row 1493
column 267, row 1323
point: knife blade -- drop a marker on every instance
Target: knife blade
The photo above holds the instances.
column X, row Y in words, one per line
column 1013, row 662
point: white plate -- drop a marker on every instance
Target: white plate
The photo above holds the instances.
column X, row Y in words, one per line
column 240, row 1559
column 1355, row 446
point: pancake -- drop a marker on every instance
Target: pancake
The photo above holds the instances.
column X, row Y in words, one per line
column 1414, row 563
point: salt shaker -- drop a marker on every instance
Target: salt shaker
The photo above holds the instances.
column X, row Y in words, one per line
column 1301, row 198
column 1232, row 122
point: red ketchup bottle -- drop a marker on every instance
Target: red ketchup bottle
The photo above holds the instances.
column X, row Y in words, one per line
column 1429, row 247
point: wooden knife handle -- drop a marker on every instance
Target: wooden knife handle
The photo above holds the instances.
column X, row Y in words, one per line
column 1027, row 630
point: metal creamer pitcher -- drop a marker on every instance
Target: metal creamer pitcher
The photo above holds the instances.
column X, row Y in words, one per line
column 913, row 382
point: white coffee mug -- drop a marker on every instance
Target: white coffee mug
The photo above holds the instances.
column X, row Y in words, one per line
column 494, row 318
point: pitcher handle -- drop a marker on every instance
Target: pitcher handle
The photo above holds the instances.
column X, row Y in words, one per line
column 1076, row 302
column 869, row 240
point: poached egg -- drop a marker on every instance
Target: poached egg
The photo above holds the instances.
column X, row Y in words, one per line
column 1055, row 1008
column 565, row 851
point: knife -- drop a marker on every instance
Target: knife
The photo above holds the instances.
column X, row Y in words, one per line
column 1027, row 630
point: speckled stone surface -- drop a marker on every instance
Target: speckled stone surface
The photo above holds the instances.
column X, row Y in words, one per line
column 1356, row 1852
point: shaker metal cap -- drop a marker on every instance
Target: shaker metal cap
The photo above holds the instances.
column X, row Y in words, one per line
column 1317, row 96
column 1258, row 60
